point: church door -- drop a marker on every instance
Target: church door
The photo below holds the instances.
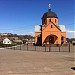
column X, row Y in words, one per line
column 51, row 40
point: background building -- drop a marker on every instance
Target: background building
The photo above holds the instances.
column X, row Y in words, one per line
column 7, row 41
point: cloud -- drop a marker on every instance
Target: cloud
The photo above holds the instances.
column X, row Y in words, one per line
column 30, row 33
column 70, row 34
column 71, row 31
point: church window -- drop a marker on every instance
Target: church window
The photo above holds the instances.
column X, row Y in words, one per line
column 62, row 38
column 51, row 26
column 55, row 20
column 49, row 20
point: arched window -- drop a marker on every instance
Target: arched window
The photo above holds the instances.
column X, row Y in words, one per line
column 51, row 26
column 49, row 20
column 55, row 20
column 62, row 38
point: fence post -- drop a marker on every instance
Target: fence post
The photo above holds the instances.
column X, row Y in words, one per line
column 35, row 48
column 27, row 47
column 20, row 46
column 59, row 48
column 49, row 48
column 69, row 46
column 45, row 48
column 14, row 47
column 6, row 46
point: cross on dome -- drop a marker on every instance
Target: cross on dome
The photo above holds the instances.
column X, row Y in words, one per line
column 49, row 5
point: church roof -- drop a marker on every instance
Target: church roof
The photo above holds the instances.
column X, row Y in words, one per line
column 56, row 26
column 49, row 14
column 60, row 27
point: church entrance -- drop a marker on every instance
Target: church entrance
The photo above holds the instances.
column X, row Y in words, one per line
column 51, row 39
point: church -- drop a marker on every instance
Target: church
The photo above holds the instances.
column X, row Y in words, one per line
column 50, row 32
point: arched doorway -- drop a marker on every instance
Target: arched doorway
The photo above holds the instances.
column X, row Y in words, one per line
column 62, row 40
column 51, row 39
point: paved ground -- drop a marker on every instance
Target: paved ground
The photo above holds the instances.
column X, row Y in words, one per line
column 18, row 62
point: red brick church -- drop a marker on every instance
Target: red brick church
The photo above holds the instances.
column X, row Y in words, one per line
column 50, row 32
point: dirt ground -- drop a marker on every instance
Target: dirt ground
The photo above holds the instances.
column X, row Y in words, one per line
column 19, row 62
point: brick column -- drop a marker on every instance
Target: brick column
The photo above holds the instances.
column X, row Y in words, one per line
column 64, row 40
column 59, row 39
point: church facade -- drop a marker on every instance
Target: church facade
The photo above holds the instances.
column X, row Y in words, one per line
column 50, row 32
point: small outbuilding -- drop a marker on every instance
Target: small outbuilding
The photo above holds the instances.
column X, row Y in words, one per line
column 73, row 42
column 7, row 41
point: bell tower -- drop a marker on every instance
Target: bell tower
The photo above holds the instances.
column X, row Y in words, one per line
column 49, row 17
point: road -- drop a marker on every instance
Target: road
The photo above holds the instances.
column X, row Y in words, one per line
column 19, row 62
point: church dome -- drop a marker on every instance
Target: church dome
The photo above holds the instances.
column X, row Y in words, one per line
column 50, row 14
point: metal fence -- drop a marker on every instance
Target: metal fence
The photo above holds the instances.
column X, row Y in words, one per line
column 50, row 48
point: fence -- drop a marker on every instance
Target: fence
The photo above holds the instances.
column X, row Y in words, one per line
column 50, row 48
